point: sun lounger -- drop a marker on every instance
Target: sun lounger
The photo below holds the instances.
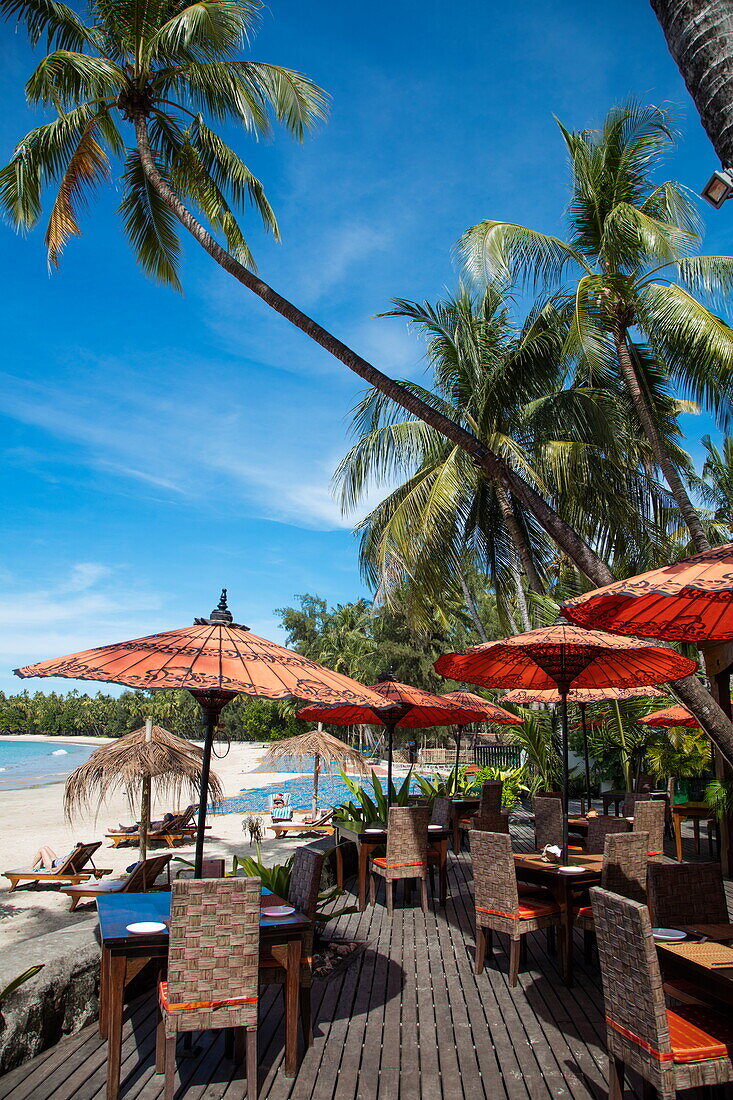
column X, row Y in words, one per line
column 320, row 825
column 179, row 828
column 282, row 812
column 139, row 881
column 71, row 870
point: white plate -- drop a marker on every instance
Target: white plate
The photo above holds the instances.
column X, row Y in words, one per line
column 668, row 935
column 146, row 927
column 374, row 830
column 571, row 870
column 436, row 826
column 277, row 911
column 629, row 819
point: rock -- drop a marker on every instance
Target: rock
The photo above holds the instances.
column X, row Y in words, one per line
column 58, row 1001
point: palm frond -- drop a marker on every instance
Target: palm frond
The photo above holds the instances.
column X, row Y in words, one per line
column 65, row 77
column 512, row 254
column 295, row 99
column 88, row 167
column 203, row 30
column 61, row 25
column 149, row 225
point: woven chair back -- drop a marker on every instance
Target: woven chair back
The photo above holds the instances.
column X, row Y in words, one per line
column 491, row 797
column 625, row 863
column 407, row 834
column 644, row 783
column 649, row 818
column 213, row 867
column 632, row 984
column 494, row 875
column 599, row 828
column 441, row 812
column 214, row 952
column 686, row 893
column 630, row 800
column 145, row 874
column 491, row 823
column 547, row 822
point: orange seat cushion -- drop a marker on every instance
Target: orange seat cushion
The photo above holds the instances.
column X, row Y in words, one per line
column 699, row 1034
column 382, row 862
column 584, row 911
column 529, row 909
column 193, row 1006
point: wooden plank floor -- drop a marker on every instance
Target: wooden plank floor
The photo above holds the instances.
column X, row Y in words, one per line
column 408, row 1020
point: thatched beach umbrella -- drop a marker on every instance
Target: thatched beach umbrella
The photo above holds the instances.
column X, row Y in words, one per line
column 136, row 761
column 324, row 748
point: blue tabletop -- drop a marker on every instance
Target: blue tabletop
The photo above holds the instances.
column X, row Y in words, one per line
column 116, row 911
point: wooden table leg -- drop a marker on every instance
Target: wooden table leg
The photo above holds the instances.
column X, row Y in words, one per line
column 443, row 870
column 566, row 931
column 678, row 836
column 696, row 833
column 292, row 1002
column 339, row 867
column 116, row 1004
column 364, row 851
column 456, row 832
column 104, row 992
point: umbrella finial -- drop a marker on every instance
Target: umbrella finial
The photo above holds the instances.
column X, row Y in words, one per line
column 221, row 614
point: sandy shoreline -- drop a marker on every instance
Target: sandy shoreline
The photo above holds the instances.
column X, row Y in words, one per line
column 32, row 816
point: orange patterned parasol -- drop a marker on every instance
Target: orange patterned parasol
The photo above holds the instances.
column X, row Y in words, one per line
column 688, row 601
column 409, row 707
column 215, row 659
column 562, row 656
column 670, row 716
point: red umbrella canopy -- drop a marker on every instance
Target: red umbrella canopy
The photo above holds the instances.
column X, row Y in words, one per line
column 688, row 601
column 417, row 709
column 492, row 713
column 565, row 654
column 214, row 657
column 581, row 695
column 670, row 716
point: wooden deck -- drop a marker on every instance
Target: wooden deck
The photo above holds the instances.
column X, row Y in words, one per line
column 408, row 1020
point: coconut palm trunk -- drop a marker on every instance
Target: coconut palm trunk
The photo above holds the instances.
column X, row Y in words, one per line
column 520, row 543
column 711, row 717
column 699, row 36
column 489, row 463
column 665, row 463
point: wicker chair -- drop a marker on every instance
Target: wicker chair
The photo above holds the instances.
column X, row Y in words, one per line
column 681, row 1048
column 630, row 800
column 213, row 967
column 407, row 853
column 649, row 817
column 441, row 815
column 499, row 907
column 548, row 822
column 599, row 828
column 490, row 803
column 491, row 823
column 686, row 893
column 305, row 885
column 624, row 872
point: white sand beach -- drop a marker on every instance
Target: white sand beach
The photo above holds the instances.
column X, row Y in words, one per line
column 34, row 816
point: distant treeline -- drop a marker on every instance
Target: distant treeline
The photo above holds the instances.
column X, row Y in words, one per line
column 100, row 715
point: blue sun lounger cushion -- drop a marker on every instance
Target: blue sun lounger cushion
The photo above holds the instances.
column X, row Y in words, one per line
column 280, row 808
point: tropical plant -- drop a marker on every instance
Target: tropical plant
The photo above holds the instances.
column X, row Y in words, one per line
column 446, row 786
column 633, row 247
column 367, row 810
column 715, row 486
column 514, row 783
column 16, row 984
column 719, row 796
column 536, row 736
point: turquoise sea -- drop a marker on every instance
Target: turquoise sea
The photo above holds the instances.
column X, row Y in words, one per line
column 35, row 763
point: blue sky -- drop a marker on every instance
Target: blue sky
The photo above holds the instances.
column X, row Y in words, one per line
column 156, row 447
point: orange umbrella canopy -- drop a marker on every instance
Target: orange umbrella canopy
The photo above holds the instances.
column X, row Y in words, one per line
column 581, row 695
column 492, row 713
column 563, row 654
column 216, row 657
column 670, row 716
column 688, row 601
column 410, row 707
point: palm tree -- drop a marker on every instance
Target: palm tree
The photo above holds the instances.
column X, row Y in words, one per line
column 699, row 36
column 445, row 519
column 163, row 67
column 716, row 484
column 632, row 246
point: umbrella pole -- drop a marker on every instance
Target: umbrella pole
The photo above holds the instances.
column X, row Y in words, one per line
column 211, row 717
column 390, row 746
column 459, row 732
column 316, row 769
column 585, row 753
column 565, row 767
column 145, row 799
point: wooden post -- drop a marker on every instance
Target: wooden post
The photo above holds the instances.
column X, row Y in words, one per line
column 719, row 665
column 145, row 799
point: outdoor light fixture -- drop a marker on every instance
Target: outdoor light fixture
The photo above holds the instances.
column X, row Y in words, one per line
column 719, row 187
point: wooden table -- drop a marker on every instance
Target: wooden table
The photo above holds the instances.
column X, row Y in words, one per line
column 698, row 812
column 716, row 981
column 531, row 868
column 125, row 954
column 366, row 840
column 461, row 807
